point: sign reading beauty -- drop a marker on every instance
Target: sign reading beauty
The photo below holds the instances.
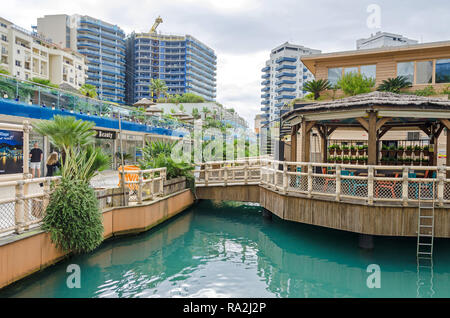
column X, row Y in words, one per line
column 105, row 134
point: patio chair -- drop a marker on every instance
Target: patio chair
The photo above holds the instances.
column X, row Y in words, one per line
column 358, row 184
column 298, row 178
column 348, row 182
column 390, row 185
column 130, row 176
column 326, row 180
column 423, row 186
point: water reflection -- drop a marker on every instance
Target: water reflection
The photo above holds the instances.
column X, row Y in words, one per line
column 222, row 250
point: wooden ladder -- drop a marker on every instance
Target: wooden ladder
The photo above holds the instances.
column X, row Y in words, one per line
column 425, row 242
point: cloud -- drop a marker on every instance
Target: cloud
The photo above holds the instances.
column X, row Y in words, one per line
column 242, row 32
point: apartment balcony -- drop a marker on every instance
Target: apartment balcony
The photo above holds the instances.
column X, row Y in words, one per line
column 279, row 104
column 265, row 102
column 266, row 82
column 266, row 115
column 284, row 97
column 285, row 89
column 265, row 122
column 285, row 74
column 265, row 109
column 265, row 95
column 265, row 69
column 281, row 82
column 265, row 76
column 285, row 67
column 265, row 89
column 285, row 59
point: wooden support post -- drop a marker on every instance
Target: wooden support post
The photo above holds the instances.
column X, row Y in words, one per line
column 225, row 175
column 310, row 180
column 338, row 183
column 18, row 212
column 306, row 141
column 370, row 185
column 405, row 186
column 246, row 172
column 140, row 186
column 294, row 143
column 206, row 174
column 447, row 160
column 372, row 142
column 440, row 175
column 285, row 178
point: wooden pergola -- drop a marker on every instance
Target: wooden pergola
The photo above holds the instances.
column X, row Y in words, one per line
column 376, row 113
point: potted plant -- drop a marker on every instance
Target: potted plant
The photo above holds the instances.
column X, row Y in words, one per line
column 345, row 148
column 338, row 149
column 346, row 159
column 426, row 150
column 383, row 161
column 384, row 150
column 425, row 162
column 330, row 159
column 400, row 150
column 338, row 159
column 417, row 162
column 399, row 162
column 408, row 150
column 407, row 161
column 391, row 161
column 361, row 150
column 365, row 158
column 353, row 160
column 332, row 149
column 417, row 150
column 353, row 150
column 392, row 150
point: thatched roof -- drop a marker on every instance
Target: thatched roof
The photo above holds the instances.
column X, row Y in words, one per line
column 144, row 102
column 372, row 99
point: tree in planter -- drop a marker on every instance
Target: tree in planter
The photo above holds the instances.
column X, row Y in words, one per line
column 394, row 85
column 73, row 218
column 88, row 90
column 316, row 87
column 354, row 84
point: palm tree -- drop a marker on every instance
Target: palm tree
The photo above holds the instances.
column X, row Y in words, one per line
column 74, row 138
column 88, row 90
column 157, row 87
column 206, row 111
column 394, row 85
column 316, row 87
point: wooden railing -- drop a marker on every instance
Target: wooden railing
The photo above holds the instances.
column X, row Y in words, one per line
column 341, row 182
column 23, row 202
column 145, row 184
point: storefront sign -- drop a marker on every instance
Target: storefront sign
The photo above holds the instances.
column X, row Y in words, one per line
column 11, row 151
column 105, row 134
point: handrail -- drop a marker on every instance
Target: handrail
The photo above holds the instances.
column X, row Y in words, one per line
column 369, row 185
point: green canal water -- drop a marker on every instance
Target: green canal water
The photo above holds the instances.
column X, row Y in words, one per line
column 230, row 250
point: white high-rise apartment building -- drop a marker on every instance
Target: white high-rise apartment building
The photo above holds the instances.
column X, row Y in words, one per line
column 383, row 39
column 26, row 55
column 283, row 78
column 282, row 81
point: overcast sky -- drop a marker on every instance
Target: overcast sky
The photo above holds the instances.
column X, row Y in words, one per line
column 242, row 32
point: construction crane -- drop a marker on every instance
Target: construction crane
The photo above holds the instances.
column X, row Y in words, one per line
column 158, row 21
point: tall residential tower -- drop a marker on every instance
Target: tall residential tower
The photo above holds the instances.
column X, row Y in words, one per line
column 181, row 61
column 102, row 43
column 282, row 81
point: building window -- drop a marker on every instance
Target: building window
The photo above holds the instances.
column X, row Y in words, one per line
column 370, row 71
column 406, row 69
column 334, row 74
column 424, row 72
column 17, row 63
column 443, row 71
column 413, row 135
column 349, row 70
column 4, row 38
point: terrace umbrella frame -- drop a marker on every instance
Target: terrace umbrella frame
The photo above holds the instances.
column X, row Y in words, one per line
column 376, row 113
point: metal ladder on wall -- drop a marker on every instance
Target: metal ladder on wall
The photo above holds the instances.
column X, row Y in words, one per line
column 425, row 242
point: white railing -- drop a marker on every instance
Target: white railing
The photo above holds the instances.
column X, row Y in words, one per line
column 23, row 202
column 144, row 184
column 368, row 184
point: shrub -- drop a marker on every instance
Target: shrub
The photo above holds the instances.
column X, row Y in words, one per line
column 394, row 85
column 427, row 91
column 355, row 83
column 43, row 82
column 73, row 218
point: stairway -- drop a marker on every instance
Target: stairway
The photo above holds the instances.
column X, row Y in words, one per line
column 425, row 241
